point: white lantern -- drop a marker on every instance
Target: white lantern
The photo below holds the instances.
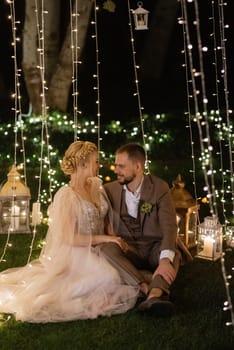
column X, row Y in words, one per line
column 140, row 17
column 14, row 204
column 209, row 245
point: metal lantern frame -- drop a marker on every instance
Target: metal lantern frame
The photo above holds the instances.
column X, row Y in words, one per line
column 140, row 17
column 14, row 204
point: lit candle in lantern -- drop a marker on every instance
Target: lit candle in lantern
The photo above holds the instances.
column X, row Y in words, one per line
column 208, row 249
column 15, row 217
column 36, row 214
column 23, row 217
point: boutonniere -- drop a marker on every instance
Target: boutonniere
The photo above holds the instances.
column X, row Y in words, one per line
column 146, row 207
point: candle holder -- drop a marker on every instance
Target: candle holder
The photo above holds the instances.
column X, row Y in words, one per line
column 14, row 204
column 210, row 239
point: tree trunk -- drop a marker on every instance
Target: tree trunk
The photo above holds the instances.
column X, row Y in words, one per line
column 52, row 37
column 60, row 84
column 57, row 66
column 30, row 63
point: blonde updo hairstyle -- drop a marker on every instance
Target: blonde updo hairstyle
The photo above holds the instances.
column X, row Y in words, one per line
column 77, row 154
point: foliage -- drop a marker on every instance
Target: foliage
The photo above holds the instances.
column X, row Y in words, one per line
column 38, row 139
column 166, row 137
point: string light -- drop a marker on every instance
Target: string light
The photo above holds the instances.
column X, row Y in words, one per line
column 74, row 15
column 40, row 20
column 137, row 93
column 200, row 117
column 228, row 126
column 43, row 159
column 97, row 76
column 19, row 144
column 205, row 119
column 75, row 61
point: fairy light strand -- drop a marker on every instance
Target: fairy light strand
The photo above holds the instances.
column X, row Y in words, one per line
column 40, row 13
column 221, row 5
column 44, row 126
column 17, row 94
column 205, row 110
column 97, row 75
column 220, row 70
column 228, row 303
column 204, row 139
column 137, row 94
column 17, row 97
column 184, row 21
column 75, row 61
column 18, row 119
column 189, row 112
column 216, row 65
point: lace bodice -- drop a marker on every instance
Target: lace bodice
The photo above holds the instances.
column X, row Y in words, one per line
column 92, row 219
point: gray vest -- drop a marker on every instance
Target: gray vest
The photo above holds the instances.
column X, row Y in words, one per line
column 127, row 221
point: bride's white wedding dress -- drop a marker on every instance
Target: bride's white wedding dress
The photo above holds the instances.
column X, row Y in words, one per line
column 67, row 282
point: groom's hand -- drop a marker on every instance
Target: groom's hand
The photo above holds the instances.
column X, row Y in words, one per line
column 166, row 270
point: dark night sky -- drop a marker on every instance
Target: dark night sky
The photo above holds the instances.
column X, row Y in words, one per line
column 167, row 94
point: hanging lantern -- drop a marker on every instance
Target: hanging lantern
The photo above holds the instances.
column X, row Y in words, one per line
column 186, row 211
column 140, row 17
column 209, row 245
column 14, row 204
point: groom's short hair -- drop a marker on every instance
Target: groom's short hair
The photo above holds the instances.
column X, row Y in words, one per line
column 135, row 152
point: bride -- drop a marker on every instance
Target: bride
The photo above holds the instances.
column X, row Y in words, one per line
column 71, row 279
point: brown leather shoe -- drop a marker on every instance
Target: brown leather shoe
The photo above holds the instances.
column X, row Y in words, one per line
column 158, row 306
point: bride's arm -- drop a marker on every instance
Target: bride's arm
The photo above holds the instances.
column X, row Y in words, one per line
column 84, row 240
column 67, row 224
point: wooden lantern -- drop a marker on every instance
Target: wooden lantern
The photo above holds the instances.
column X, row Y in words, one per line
column 186, row 211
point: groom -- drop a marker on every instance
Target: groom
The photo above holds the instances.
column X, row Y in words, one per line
column 144, row 216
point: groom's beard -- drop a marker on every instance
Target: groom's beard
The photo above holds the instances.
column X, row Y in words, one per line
column 125, row 180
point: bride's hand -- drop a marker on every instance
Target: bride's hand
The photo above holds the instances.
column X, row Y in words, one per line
column 121, row 243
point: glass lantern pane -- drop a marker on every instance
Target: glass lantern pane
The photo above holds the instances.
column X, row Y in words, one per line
column 209, row 240
column 15, row 216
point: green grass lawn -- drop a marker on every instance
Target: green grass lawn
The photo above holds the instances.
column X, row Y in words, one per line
column 199, row 322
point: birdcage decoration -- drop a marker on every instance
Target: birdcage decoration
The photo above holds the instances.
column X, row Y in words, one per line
column 210, row 239
column 140, row 17
column 186, row 212
column 14, row 204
